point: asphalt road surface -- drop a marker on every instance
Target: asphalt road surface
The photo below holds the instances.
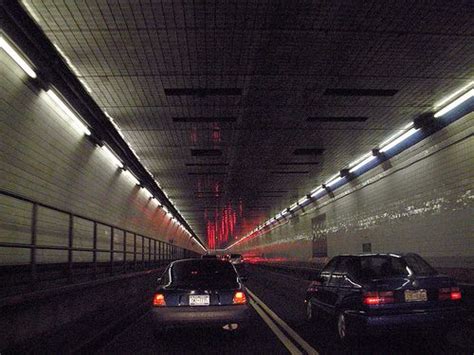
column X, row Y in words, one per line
column 278, row 326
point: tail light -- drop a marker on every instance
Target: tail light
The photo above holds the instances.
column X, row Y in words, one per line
column 239, row 298
column 449, row 293
column 376, row 298
column 159, row 300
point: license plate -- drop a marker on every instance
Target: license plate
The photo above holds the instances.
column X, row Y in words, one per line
column 199, row 300
column 416, row 295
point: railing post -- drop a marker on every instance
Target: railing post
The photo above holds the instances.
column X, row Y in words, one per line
column 134, row 251
column 34, row 216
column 94, row 251
column 143, row 252
column 149, row 252
column 125, row 251
column 112, row 234
column 70, row 246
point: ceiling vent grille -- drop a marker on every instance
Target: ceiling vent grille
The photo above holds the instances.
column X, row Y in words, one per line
column 308, row 151
column 360, row 92
column 206, row 152
column 203, row 92
column 338, row 119
column 205, row 119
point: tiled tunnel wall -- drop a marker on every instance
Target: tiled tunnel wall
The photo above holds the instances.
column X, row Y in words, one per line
column 419, row 201
column 44, row 159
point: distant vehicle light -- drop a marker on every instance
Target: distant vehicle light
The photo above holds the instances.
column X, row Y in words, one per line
column 159, row 300
column 239, row 298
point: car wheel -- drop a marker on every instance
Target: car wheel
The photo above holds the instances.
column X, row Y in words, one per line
column 311, row 312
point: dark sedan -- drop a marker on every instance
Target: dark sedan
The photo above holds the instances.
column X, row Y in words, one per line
column 366, row 294
column 201, row 292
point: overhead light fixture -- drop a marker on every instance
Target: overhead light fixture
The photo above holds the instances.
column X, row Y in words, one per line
column 333, row 180
column 76, row 122
column 316, row 191
column 150, row 194
column 398, row 140
column 396, row 135
column 131, row 177
column 111, row 155
column 362, row 161
column 455, row 103
column 302, row 200
column 453, row 95
column 17, row 58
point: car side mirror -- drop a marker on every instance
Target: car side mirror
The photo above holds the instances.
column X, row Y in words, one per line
column 159, row 279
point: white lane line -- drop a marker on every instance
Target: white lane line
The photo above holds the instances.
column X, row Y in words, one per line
column 296, row 337
column 274, row 328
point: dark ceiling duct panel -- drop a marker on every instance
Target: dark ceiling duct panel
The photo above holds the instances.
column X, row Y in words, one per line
column 289, row 172
column 308, row 151
column 207, row 173
column 269, row 196
column 299, row 163
column 360, row 92
column 205, row 119
column 272, row 191
column 207, row 164
column 206, row 152
column 338, row 119
column 203, row 92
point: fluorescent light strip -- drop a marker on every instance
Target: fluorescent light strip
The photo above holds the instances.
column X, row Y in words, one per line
column 333, row 182
column 302, row 200
column 455, row 103
column 453, row 95
column 131, row 177
column 150, row 195
column 392, row 137
column 293, row 207
column 315, row 192
column 330, row 180
column 76, row 121
column 357, row 161
column 362, row 163
column 111, row 155
column 398, row 140
column 17, row 58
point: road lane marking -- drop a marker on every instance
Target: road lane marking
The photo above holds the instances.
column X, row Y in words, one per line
column 296, row 337
column 274, row 328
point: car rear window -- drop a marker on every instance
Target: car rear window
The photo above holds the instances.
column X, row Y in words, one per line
column 418, row 265
column 204, row 273
column 380, row 266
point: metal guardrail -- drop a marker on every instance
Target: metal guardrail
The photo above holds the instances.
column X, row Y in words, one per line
column 136, row 251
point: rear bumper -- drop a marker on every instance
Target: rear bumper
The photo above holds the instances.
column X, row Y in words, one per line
column 204, row 316
column 427, row 319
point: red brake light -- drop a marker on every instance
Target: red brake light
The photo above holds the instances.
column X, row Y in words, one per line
column 449, row 293
column 159, row 300
column 376, row 298
column 239, row 298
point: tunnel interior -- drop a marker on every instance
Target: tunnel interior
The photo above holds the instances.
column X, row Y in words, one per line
column 134, row 134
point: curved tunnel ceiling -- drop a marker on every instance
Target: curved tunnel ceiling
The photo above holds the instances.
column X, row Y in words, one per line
column 238, row 109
